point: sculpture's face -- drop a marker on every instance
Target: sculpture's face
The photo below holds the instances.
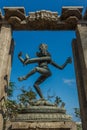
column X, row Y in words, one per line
column 43, row 47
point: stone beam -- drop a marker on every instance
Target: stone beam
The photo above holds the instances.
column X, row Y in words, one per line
column 42, row 20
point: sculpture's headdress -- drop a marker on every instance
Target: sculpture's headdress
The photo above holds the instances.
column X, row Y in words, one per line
column 43, row 46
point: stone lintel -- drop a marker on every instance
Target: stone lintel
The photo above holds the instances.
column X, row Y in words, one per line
column 43, row 19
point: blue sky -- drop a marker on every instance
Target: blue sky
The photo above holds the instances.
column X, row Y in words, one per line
column 61, row 83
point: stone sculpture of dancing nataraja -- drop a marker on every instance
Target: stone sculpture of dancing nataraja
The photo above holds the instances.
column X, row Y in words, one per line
column 43, row 59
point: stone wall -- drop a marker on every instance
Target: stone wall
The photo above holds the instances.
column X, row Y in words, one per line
column 5, row 66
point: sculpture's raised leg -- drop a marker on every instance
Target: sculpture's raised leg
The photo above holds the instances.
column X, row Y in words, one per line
column 37, row 69
column 29, row 74
column 45, row 74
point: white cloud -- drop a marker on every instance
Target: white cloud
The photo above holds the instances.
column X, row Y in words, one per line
column 69, row 82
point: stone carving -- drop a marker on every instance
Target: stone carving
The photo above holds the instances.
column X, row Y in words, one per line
column 43, row 19
column 43, row 59
column 43, row 117
column 67, row 12
column 44, row 15
column 41, row 113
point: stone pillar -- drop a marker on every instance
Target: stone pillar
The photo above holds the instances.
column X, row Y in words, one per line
column 5, row 64
column 80, row 60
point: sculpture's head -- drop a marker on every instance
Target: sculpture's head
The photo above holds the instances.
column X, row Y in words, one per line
column 43, row 50
column 43, row 47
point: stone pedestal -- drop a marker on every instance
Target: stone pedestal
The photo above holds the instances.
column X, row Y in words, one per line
column 42, row 117
column 42, row 114
column 80, row 60
column 43, row 126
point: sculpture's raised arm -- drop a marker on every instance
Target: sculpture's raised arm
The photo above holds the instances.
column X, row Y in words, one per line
column 21, row 58
column 38, row 59
column 69, row 60
column 28, row 60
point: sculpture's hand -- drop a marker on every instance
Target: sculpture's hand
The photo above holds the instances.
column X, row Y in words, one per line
column 20, row 57
column 69, row 60
column 21, row 78
column 20, row 54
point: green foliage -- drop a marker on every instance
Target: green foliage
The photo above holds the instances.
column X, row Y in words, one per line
column 57, row 100
column 77, row 112
column 10, row 89
column 26, row 96
column 11, row 108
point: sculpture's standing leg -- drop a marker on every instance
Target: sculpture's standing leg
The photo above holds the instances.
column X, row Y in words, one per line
column 41, row 79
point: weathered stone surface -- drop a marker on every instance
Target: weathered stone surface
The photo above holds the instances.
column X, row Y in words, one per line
column 5, row 43
column 5, row 64
column 14, row 11
column 65, row 8
column 80, row 73
column 42, row 113
column 44, row 15
column 71, row 12
column 42, row 109
column 42, row 20
column 42, row 117
column 43, row 125
column 1, row 122
column 82, row 39
column 72, row 21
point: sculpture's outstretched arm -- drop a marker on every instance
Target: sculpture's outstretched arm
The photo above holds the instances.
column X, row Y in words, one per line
column 34, row 60
column 28, row 60
column 69, row 60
